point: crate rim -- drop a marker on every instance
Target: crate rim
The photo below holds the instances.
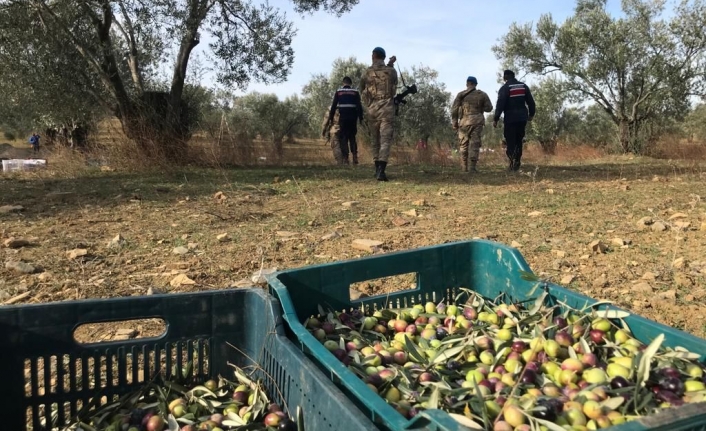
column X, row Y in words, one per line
column 379, row 408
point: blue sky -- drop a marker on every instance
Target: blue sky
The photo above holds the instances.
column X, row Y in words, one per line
column 452, row 36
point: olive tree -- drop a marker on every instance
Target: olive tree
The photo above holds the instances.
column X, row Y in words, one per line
column 545, row 127
column 318, row 92
column 120, row 46
column 271, row 118
column 427, row 114
column 638, row 68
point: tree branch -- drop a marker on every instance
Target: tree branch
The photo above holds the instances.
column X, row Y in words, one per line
column 133, row 61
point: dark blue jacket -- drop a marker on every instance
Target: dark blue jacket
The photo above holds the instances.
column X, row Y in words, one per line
column 514, row 98
column 347, row 100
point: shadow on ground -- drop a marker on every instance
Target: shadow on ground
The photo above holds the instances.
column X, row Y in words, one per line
column 43, row 197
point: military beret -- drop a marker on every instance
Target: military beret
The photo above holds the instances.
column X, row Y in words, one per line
column 380, row 51
column 472, row 80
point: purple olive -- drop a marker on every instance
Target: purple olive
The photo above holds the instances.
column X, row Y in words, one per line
column 670, row 372
column 374, row 380
column 667, row 396
column 560, row 322
column 529, row 376
column 532, row 366
column 672, row 384
column 453, row 365
column 519, row 346
column 619, row 382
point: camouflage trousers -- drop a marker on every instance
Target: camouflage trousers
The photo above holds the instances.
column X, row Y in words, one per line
column 470, row 135
column 381, row 114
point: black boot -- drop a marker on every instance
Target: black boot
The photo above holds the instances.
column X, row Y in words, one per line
column 377, row 169
column 381, row 174
column 355, row 158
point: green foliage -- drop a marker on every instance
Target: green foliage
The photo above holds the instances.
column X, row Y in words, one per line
column 426, row 115
column 270, row 118
column 695, row 124
column 640, row 68
column 318, row 92
column 8, row 135
column 545, row 128
column 587, row 126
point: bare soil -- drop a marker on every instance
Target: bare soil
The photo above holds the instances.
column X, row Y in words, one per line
column 278, row 218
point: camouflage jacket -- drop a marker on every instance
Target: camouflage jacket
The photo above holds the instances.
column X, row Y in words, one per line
column 469, row 106
column 378, row 83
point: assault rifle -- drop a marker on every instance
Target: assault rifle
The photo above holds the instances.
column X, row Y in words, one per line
column 399, row 98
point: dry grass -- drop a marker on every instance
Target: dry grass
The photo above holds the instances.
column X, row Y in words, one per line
column 677, row 150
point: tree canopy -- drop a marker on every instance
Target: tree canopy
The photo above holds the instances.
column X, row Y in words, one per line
column 116, row 48
column 638, row 68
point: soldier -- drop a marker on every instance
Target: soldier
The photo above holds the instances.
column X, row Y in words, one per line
column 469, row 106
column 330, row 132
column 514, row 100
column 346, row 102
column 378, row 88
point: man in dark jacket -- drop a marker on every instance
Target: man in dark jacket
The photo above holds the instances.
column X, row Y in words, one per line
column 350, row 109
column 514, row 100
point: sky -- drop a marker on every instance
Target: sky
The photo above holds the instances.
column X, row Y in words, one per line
column 454, row 37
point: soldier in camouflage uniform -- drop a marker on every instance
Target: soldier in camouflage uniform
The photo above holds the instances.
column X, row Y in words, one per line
column 331, row 132
column 378, row 88
column 468, row 119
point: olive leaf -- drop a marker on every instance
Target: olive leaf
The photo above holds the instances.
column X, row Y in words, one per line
column 550, row 425
column 680, row 355
column 200, row 388
column 572, row 353
column 584, row 345
column 447, row 354
column 528, row 276
column 433, row 402
column 172, row 423
column 613, row 403
column 413, row 352
column 643, row 369
column 538, row 303
column 470, row 423
column 233, row 420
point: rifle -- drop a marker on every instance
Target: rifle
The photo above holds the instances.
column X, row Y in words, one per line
column 399, row 98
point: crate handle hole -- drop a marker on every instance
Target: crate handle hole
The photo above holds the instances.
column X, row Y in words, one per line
column 119, row 330
column 385, row 285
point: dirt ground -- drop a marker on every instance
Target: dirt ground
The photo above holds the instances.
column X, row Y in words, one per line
column 93, row 233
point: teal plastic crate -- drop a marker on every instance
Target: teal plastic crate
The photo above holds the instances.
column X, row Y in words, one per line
column 486, row 267
column 43, row 367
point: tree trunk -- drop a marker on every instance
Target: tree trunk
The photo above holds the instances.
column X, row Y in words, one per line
column 279, row 146
column 624, row 135
column 154, row 128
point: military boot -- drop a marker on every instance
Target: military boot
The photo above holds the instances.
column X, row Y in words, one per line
column 381, row 173
column 464, row 165
column 473, row 165
column 355, row 158
column 377, row 169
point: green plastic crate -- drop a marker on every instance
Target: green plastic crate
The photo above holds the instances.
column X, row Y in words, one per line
column 38, row 339
column 486, row 267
